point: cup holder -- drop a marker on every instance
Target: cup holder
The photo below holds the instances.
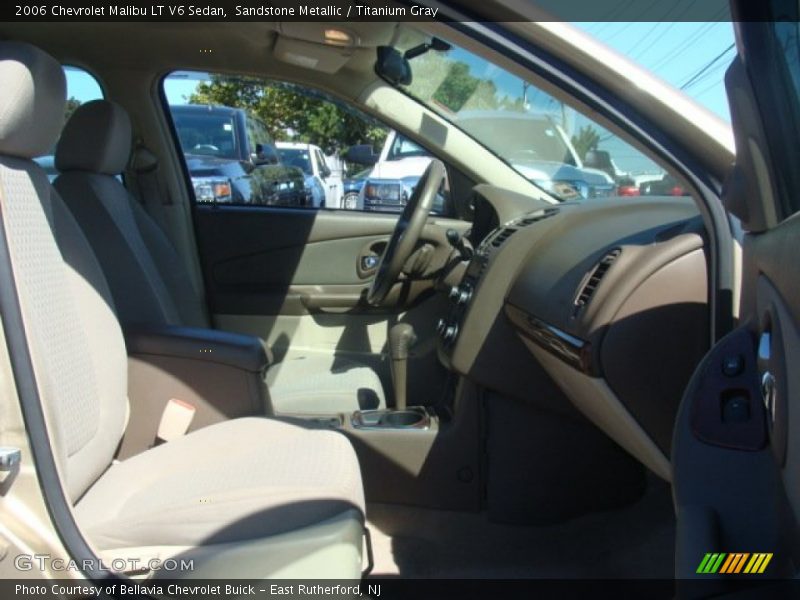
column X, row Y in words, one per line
column 410, row 418
column 402, row 418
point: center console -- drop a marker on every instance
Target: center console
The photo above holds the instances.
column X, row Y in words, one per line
column 219, row 375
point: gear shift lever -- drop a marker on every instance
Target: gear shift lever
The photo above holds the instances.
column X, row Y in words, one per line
column 401, row 338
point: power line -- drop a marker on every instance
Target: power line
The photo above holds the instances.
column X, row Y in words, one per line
column 710, row 74
column 708, row 66
column 613, row 14
column 683, row 47
column 663, row 34
column 687, row 43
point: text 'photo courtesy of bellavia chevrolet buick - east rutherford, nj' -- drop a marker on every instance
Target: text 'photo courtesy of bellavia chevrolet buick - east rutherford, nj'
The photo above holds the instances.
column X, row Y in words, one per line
column 399, row 299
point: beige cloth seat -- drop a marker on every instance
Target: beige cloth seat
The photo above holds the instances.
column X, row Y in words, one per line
column 248, row 478
column 248, row 498
column 148, row 280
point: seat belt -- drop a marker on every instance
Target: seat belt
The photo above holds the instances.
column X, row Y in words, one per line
column 144, row 166
column 175, row 420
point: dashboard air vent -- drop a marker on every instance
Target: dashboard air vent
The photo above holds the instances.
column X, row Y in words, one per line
column 594, row 279
column 502, row 236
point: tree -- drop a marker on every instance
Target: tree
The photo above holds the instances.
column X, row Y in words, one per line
column 72, row 105
column 585, row 140
column 293, row 114
column 450, row 84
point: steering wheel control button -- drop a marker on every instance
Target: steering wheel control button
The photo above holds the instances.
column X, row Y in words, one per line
column 441, row 325
column 460, row 294
column 450, row 333
column 732, row 365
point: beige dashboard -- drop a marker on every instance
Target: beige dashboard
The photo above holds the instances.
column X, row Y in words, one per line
column 607, row 298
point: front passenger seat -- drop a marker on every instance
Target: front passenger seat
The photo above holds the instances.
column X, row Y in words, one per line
column 247, row 498
column 148, row 279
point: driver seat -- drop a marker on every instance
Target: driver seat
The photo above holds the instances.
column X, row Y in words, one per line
column 148, row 280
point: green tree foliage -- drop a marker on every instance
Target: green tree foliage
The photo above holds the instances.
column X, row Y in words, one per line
column 457, row 87
column 451, row 84
column 585, row 140
column 292, row 115
column 72, row 105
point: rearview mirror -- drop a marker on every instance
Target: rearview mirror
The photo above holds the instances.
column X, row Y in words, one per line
column 393, row 66
column 362, row 154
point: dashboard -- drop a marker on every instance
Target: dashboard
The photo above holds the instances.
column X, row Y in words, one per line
column 607, row 299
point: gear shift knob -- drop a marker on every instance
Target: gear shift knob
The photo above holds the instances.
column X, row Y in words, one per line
column 401, row 338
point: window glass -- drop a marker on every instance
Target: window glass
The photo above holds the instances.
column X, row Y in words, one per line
column 291, row 135
column 556, row 147
column 209, row 132
column 82, row 87
column 787, row 34
column 296, row 157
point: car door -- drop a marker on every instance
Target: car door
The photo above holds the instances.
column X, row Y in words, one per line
column 332, row 180
column 736, row 456
column 297, row 276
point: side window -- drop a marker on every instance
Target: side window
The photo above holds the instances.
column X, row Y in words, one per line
column 300, row 148
column 786, row 74
column 82, row 87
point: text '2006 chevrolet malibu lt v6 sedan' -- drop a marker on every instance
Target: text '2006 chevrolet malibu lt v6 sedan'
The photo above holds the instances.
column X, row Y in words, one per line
column 562, row 347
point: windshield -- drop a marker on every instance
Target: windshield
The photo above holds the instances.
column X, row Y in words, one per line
column 556, row 147
column 296, row 157
column 206, row 134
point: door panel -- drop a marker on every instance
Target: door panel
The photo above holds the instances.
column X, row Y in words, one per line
column 263, row 261
column 296, row 279
column 737, row 438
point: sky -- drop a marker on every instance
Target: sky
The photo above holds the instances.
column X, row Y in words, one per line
column 676, row 52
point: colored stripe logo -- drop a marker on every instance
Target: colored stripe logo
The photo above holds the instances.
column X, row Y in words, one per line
column 734, row 563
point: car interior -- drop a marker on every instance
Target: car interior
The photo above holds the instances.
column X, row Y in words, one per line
column 488, row 392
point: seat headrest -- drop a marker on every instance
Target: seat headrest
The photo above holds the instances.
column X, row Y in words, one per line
column 33, row 94
column 97, row 139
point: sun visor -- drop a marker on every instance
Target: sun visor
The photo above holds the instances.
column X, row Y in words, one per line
column 317, row 57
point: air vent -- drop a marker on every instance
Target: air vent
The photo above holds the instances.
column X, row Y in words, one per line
column 593, row 282
column 536, row 217
column 499, row 239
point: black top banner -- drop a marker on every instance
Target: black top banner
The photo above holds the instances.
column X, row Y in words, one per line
column 366, row 10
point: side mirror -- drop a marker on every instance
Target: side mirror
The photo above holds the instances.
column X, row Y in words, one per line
column 393, row 66
column 264, row 155
column 362, row 154
column 597, row 159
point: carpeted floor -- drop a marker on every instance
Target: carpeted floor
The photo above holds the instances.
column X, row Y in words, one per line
column 637, row 541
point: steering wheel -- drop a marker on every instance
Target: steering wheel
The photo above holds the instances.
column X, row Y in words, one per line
column 406, row 233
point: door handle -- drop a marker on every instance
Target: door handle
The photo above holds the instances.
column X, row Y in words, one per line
column 368, row 263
